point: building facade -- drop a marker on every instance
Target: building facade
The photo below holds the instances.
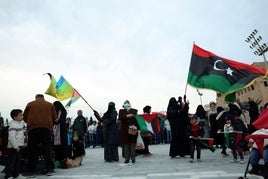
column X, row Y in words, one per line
column 258, row 91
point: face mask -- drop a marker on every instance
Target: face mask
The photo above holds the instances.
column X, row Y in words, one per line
column 126, row 106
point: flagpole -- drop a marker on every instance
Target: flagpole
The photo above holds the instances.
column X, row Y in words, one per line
column 84, row 99
column 186, row 85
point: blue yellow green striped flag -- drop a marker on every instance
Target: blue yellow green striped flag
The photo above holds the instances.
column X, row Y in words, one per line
column 61, row 89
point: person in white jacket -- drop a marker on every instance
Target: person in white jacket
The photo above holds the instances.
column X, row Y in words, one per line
column 15, row 143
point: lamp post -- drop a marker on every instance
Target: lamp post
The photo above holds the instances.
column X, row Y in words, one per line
column 200, row 94
column 255, row 44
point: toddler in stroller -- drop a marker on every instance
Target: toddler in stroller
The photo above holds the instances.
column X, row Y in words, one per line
column 258, row 142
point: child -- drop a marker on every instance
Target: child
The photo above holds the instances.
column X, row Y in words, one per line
column 195, row 132
column 228, row 126
column 15, row 144
column 237, row 138
column 78, row 152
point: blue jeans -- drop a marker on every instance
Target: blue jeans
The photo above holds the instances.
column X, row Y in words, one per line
column 169, row 136
column 255, row 156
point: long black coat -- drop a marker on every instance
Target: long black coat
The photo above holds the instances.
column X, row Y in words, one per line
column 110, row 128
column 125, row 122
column 110, row 136
column 179, row 121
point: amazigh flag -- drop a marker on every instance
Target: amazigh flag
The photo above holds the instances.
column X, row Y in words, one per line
column 262, row 121
column 74, row 98
column 61, row 90
column 210, row 71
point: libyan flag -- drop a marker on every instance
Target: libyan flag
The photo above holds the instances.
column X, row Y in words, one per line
column 209, row 71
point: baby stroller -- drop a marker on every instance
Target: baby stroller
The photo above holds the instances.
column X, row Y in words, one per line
column 258, row 141
column 249, row 168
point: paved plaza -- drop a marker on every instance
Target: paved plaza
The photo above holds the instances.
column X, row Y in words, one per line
column 159, row 166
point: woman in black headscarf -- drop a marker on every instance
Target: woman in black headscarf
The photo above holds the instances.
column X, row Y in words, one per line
column 110, row 134
column 177, row 116
column 60, row 147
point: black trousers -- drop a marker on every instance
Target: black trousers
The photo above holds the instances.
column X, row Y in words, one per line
column 36, row 137
column 12, row 168
column 146, row 141
column 195, row 145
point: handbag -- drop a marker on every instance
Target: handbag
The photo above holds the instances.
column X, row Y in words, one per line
column 132, row 130
column 56, row 130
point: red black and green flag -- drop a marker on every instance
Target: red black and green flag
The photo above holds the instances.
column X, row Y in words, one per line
column 209, row 71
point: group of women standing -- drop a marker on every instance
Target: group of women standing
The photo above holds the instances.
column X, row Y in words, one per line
column 177, row 114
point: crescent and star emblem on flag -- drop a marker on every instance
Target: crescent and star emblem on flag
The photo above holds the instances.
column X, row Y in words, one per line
column 228, row 70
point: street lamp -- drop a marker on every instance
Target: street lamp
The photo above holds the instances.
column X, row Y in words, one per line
column 200, row 94
column 255, row 43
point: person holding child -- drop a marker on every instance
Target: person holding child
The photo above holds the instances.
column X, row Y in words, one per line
column 195, row 132
column 15, row 144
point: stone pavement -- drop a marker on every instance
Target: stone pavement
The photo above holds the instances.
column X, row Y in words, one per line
column 159, row 166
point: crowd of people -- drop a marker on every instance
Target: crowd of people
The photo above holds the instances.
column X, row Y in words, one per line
column 45, row 132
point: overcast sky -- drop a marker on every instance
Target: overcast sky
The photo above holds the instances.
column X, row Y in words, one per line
column 113, row 50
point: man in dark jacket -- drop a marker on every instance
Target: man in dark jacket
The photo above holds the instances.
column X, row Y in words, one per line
column 80, row 125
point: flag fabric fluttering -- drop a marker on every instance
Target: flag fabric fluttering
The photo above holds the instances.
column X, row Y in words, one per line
column 209, row 71
column 61, row 89
column 148, row 123
column 262, row 121
column 73, row 99
column 144, row 125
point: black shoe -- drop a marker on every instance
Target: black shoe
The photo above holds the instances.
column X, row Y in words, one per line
column 224, row 153
column 126, row 161
column 133, row 160
column 50, row 173
column 30, row 175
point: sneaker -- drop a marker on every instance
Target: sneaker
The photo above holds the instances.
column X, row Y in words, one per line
column 242, row 162
column 199, row 160
column 126, row 161
column 133, row 160
column 233, row 161
column 147, row 155
column 50, row 173
column 20, row 176
column 224, row 154
column 30, row 175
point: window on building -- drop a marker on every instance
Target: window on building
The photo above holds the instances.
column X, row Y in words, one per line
column 265, row 83
column 252, row 87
